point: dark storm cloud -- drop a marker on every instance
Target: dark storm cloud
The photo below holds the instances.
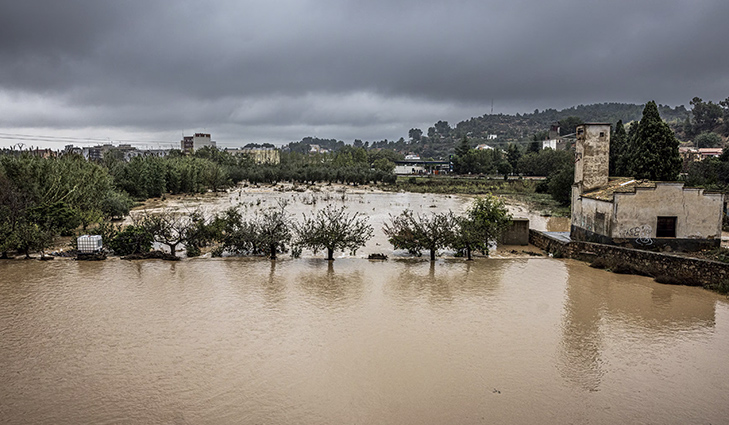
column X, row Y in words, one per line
column 261, row 69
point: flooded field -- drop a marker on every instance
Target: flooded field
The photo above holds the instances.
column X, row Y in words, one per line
column 377, row 206
column 245, row 340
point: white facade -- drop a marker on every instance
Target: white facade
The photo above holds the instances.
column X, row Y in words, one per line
column 551, row 144
column 409, row 169
column 200, row 140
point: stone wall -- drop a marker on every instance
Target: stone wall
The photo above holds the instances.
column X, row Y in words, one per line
column 652, row 263
column 517, row 233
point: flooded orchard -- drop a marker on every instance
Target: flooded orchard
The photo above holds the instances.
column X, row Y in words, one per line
column 247, row 340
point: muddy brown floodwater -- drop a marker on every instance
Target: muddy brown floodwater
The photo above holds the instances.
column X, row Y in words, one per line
column 249, row 341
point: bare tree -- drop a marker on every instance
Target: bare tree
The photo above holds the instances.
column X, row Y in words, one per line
column 333, row 229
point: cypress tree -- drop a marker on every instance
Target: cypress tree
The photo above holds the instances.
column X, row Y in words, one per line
column 618, row 150
column 654, row 154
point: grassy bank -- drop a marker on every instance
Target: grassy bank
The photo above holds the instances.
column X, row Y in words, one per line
column 523, row 191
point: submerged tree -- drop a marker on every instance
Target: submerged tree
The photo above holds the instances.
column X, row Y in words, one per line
column 272, row 229
column 415, row 233
column 171, row 228
column 482, row 223
column 333, row 229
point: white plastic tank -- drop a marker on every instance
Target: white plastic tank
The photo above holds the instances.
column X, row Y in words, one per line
column 89, row 244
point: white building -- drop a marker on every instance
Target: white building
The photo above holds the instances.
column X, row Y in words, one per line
column 190, row 144
column 637, row 213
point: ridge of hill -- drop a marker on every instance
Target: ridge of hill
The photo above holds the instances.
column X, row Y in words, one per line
column 440, row 140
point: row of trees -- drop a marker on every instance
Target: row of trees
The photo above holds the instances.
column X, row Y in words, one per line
column 212, row 169
column 330, row 229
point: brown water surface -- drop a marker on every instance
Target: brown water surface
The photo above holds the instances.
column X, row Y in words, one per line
column 231, row 341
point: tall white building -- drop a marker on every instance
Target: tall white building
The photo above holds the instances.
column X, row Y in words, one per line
column 190, row 144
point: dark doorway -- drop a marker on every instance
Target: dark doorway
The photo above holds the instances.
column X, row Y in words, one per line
column 666, row 227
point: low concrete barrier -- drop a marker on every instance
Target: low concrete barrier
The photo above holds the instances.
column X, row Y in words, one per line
column 700, row 271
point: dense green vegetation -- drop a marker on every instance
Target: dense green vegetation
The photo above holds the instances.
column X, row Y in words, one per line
column 41, row 198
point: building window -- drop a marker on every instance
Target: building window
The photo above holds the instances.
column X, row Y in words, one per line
column 602, row 134
column 666, row 227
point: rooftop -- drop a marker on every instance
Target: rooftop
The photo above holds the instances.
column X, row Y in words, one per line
column 618, row 185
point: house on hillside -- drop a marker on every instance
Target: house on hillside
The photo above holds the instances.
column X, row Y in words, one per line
column 638, row 213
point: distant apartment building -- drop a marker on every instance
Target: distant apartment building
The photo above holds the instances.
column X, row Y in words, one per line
column 259, row 154
column 190, row 144
column 124, row 151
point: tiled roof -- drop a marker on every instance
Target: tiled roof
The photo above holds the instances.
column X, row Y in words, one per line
column 618, row 185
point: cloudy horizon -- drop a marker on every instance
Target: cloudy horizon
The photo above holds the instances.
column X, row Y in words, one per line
column 256, row 71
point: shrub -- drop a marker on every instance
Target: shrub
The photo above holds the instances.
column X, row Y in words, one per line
column 132, row 240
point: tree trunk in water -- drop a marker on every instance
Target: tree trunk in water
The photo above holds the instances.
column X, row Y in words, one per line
column 173, row 249
column 330, row 254
column 432, row 255
column 468, row 254
column 273, row 252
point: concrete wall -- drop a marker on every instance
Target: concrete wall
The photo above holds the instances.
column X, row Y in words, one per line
column 517, row 233
column 657, row 263
column 698, row 214
column 593, row 215
column 592, row 153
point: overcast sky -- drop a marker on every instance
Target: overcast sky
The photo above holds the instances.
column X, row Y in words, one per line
column 279, row 70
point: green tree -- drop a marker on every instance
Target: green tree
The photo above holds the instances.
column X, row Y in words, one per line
column 513, row 154
column 272, row 229
column 725, row 115
column 171, row 228
column 483, row 222
column 415, row 232
column 384, row 164
column 569, row 125
column 706, row 115
column 560, row 183
column 415, row 134
column 618, row 150
column 654, row 152
column 331, row 228
column 134, row 239
column 707, row 140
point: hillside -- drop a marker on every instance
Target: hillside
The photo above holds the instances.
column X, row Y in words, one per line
column 440, row 140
